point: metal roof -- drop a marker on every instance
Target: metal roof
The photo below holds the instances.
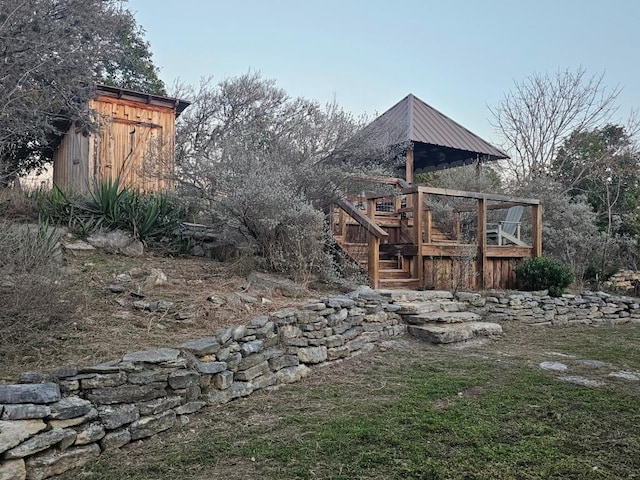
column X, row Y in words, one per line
column 158, row 100
column 413, row 120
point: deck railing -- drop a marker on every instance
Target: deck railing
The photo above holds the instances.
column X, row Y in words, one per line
column 406, row 223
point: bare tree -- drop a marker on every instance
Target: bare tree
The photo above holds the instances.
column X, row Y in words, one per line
column 266, row 165
column 51, row 55
column 542, row 111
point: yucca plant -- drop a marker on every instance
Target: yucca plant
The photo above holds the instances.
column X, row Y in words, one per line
column 106, row 199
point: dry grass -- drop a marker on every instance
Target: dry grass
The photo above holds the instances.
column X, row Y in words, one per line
column 410, row 410
column 105, row 325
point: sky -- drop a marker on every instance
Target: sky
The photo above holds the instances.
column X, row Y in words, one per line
column 458, row 56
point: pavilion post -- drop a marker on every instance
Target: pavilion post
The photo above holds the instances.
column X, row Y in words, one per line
column 409, row 166
column 536, row 217
column 482, row 242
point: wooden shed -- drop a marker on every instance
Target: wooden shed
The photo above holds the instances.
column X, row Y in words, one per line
column 135, row 142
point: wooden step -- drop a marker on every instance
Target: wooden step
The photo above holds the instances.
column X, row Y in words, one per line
column 388, row 264
column 400, row 283
column 393, row 273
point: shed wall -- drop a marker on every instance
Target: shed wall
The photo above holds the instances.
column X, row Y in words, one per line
column 135, row 143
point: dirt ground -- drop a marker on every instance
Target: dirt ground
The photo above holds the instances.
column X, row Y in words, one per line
column 108, row 322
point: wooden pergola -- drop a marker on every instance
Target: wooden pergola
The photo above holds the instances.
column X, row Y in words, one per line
column 398, row 240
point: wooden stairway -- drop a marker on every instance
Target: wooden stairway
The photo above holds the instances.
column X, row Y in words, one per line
column 394, row 272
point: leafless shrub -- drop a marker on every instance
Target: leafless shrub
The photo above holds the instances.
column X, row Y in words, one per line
column 33, row 296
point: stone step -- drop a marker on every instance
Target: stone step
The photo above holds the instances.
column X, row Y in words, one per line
column 400, row 295
column 416, row 308
column 451, row 333
column 442, row 317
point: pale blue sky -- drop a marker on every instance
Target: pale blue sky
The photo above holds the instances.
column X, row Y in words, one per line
column 458, row 56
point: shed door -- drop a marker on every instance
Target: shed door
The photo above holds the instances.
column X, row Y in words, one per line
column 125, row 153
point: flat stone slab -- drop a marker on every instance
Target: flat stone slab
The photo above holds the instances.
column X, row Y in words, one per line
column 593, row 363
column 38, row 393
column 202, row 346
column 458, row 332
column 629, row 376
column 442, row 317
column 580, row 380
column 553, row 366
column 160, row 355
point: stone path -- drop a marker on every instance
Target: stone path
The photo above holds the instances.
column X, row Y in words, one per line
column 586, row 381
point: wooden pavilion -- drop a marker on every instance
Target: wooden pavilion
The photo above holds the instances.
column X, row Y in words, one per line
column 400, row 240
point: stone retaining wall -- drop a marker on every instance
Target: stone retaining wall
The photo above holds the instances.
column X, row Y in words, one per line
column 588, row 308
column 52, row 422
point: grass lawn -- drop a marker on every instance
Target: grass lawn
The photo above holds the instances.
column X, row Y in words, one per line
column 410, row 410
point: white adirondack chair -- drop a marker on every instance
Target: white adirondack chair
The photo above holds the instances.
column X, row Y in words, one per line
column 508, row 230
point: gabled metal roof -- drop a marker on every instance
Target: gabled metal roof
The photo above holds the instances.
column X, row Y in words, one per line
column 413, row 120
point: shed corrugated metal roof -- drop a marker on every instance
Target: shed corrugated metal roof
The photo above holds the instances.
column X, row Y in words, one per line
column 413, row 120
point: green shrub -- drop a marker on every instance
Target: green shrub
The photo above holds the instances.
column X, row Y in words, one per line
column 544, row 273
column 109, row 205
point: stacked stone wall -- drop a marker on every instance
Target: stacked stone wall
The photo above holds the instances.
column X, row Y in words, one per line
column 54, row 421
column 538, row 308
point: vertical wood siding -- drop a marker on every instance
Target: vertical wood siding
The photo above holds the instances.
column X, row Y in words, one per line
column 135, row 142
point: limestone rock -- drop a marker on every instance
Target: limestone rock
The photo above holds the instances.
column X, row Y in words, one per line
column 70, row 407
column 312, row 354
column 210, row 368
column 114, row 416
column 13, row 470
column 163, row 356
column 292, row 374
column 117, row 439
column 202, row 346
column 39, row 393
column 580, row 380
column 13, row 432
column 183, row 379
column 145, row 377
column 160, row 405
column 264, row 381
column 89, row 434
column 254, row 346
column 629, row 376
column 147, row 426
column 116, row 241
column 190, row 407
column 72, row 422
column 127, row 393
column 252, row 372
column 553, row 366
column 236, row 390
column 223, row 380
column 54, row 462
column 24, row 411
column 40, row 442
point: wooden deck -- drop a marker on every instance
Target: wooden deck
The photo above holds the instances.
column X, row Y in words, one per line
column 400, row 244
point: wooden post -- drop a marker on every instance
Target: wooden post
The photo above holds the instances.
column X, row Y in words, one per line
column 373, row 248
column 372, row 263
column 536, row 220
column 427, row 229
column 342, row 224
column 409, row 166
column 456, row 225
column 418, row 223
column 482, row 241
